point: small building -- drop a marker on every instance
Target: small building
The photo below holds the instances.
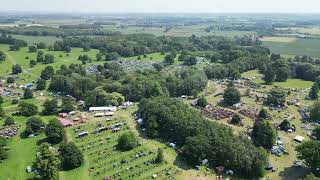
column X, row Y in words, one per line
column 101, row 109
column 299, row 139
column 140, row 121
column 65, row 122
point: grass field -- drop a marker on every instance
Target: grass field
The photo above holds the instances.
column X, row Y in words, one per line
column 279, row 39
column 299, row 47
column 49, row 40
column 31, row 74
column 150, row 57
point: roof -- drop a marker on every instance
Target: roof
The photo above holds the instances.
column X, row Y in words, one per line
column 65, row 122
column 299, row 138
column 110, row 108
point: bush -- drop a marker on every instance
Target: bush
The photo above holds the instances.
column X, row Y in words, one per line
column 28, row 94
column 16, row 69
column 263, row 114
column 9, row 121
column 231, row 96
column 159, row 158
column 10, row 79
column 202, row 102
column 14, row 101
column 285, row 125
column 235, row 119
column 70, row 155
column 41, row 84
column 127, row 141
column 1, row 100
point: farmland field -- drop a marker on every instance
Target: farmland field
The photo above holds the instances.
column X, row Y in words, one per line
column 184, row 31
column 299, row 47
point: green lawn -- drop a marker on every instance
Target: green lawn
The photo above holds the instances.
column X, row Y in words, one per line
column 149, row 57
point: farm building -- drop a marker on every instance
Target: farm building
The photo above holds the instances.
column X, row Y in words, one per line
column 97, row 109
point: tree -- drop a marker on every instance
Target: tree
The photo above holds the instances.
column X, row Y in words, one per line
column 264, row 134
column 159, row 158
column 40, row 57
column 276, row 97
column 202, row 102
column 27, row 109
column 309, row 152
column 48, row 59
column 34, row 125
column 269, row 76
column 32, row 49
column 9, row 121
column 169, row 59
column 2, row 56
column 70, row 155
column 41, row 45
column 99, row 97
column 3, row 153
column 28, row 94
column 316, row 132
column 313, row 94
column 41, row 84
column 315, row 112
column 54, row 131
column 112, row 56
column 16, row 69
column 47, row 162
column 2, row 113
column 50, row 107
column 190, row 61
column 285, row 125
column 263, row 113
column 231, row 96
column 311, row 176
column 127, row 141
column 1, row 100
column 67, row 105
column 236, row 119
column 10, row 79
column 32, row 63
column 47, row 73
column 99, row 56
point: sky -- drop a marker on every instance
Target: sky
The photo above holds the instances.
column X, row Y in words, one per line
column 162, row 6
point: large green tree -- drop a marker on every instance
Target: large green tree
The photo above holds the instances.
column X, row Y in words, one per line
column 309, row 151
column 50, row 107
column 54, row 131
column 276, row 97
column 315, row 112
column 231, row 96
column 264, row 134
column 47, row 162
column 27, row 109
column 127, row 141
column 70, row 155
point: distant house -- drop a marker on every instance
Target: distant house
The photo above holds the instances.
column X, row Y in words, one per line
column 101, row 109
column 299, row 139
column 65, row 122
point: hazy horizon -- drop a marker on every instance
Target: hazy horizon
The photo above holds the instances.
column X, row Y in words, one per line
column 162, row 6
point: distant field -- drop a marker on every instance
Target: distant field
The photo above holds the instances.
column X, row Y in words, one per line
column 312, row 30
column 185, row 31
column 309, row 47
column 279, row 39
column 36, row 39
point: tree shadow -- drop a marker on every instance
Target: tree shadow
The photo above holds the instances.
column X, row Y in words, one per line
column 41, row 141
column 294, row 173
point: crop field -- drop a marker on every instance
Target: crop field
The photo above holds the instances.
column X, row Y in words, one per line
column 299, row 47
column 279, row 39
column 184, row 31
column 49, row 40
